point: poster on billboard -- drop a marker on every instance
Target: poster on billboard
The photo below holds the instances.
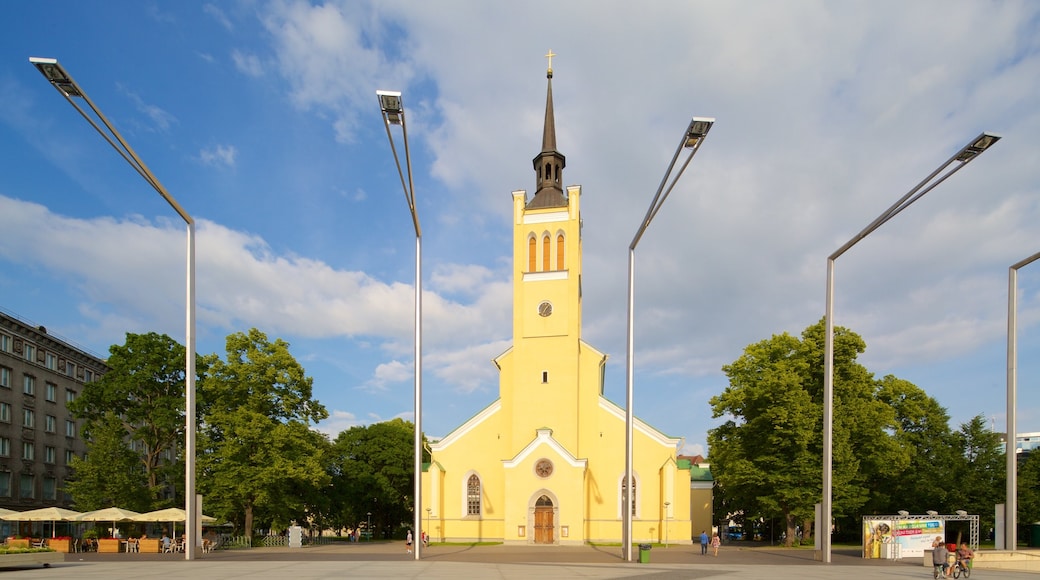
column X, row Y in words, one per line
column 899, row 537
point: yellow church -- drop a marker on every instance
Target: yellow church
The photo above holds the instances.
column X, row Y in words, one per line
column 545, row 462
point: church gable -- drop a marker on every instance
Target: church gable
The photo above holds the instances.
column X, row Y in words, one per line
column 545, row 443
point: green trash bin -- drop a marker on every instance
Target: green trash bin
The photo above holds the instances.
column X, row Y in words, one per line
column 1034, row 535
column 644, row 553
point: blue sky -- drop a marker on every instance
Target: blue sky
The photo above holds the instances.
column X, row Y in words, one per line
column 261, row 119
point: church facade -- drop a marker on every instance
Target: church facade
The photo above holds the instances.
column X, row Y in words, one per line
column 545, row 462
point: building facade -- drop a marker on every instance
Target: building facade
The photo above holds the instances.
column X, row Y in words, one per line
column 39, row 375
column 545, row 462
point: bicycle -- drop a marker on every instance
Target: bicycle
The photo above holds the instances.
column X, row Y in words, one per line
column 938, row 571
column 960, row 569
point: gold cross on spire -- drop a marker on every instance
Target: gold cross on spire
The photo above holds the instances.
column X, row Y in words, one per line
column 549, row 56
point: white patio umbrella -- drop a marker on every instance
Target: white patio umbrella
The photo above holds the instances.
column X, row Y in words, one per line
column 171, row 515
column 47, row 514
column 111, row 514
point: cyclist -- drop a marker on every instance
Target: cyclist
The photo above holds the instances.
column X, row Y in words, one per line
column 939, row 553
column 964, row 555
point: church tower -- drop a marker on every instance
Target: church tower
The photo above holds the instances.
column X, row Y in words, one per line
column 544, row 463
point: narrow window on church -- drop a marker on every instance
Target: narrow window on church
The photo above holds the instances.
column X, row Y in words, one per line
column 545, row 376
column 532, row 258
column 545, row 254
column 473, row 496
column 559, row 252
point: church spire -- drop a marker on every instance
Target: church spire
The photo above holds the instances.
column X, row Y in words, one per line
column 549, row 164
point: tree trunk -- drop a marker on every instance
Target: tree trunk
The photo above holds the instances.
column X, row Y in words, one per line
column 249, row 522
column 807, row 530
column 789, row 518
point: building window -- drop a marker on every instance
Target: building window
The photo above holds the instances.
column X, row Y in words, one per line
column 50, row 391
column 29, row 385
column 5, row 484
column 28, row 451
column 5, row 377
column 5, row 447
column 5, row 343
column 559, row 252
column 545, row 254
column 473, row 496
column 50, row 361
column 51, row 424
column 50, row 488
column 50, row 454
column 28, row 418
column 30, row 352
column 27, row 486
column 88, row 375
column 5, row 412
column 532, row 254
column 70, row 428
column 70, row 368
column 70, row 396
column 69, row 454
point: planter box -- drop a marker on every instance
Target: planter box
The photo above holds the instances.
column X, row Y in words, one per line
column 62, row 545
column 20, row 560
column 109, row 545
column 149, row 545
column 17, row 542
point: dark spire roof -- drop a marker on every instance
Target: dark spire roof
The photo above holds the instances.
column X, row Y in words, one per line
column 549, row 164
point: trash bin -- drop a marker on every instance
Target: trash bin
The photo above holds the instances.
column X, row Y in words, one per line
column 1034, row 535
column 644, row 553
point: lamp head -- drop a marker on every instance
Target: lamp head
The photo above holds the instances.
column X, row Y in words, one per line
column 698, row 130
column 391, row 105
column 57, row 76
column 977, row 146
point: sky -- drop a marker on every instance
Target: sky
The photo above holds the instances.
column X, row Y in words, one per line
column 261, row 119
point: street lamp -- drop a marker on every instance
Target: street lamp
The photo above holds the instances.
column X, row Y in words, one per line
column 967, row 153
column 392, row 108
column 368, row 528
column 1010, row 448
column 692, row 139
column 429, row 510
column 62, row 81
column 666, row 517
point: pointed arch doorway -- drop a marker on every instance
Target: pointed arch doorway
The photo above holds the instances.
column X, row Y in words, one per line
column 544, row 520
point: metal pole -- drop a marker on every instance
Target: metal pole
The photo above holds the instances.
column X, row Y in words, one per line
column 192, row 535
column 824, row 528
column 1011, row 447
column 626, row 508
column 416, row 542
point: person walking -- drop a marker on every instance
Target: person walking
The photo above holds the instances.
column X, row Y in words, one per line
column 704, row 543
column 715, row 543
column 408, row 542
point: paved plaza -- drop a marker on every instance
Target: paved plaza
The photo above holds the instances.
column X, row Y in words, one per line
column 389, row 560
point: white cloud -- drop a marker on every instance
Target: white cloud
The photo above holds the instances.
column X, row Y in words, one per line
column 219, row 155
column 217, row 14
column 247, row 64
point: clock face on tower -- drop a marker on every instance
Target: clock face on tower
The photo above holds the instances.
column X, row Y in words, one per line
column 545, row 308
column 543, row 468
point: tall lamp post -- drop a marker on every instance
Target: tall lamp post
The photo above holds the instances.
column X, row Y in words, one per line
column 951, row 166
column 692, row 138
column 62, row 81
column 392, row 108
column 1010, row 449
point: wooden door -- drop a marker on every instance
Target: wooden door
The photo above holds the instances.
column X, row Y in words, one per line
column 543, row 525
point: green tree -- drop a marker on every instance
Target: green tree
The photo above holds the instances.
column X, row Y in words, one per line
column 767, row 457
column 981, row 475
column 373, row 473
column 111, row 474
column 258, row 456
column 923, row 432
column 144, row 392
column 1028, row 480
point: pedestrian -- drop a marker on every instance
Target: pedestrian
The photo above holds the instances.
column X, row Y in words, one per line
column 715, row 543
column 939, row 554
column 704, row 543
column 408, row 542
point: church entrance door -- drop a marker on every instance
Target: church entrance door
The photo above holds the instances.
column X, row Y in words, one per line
column 543, row 521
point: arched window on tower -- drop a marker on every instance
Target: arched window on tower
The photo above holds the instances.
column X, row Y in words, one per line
column 473, row 496
column 532, row 254
column 545, row 254
column 559, row 252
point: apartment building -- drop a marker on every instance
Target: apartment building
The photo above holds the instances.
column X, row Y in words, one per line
column 39, row 375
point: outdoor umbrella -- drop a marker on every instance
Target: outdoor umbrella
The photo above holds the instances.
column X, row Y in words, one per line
column 112, row 514
column 171, row 515
column 47, row 514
